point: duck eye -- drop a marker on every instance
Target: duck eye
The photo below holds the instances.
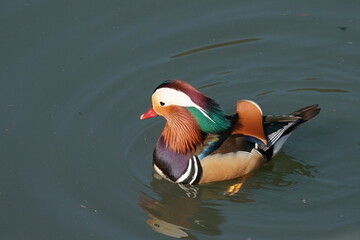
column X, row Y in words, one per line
column 162, row 103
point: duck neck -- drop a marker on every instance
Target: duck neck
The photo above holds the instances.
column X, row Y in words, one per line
column 182, row 134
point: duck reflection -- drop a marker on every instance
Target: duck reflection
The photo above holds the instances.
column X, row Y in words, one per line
column 177, row 210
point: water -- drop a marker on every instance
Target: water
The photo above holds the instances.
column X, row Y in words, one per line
column 76, row 76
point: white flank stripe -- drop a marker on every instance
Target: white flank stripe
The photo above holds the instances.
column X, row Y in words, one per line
column 186, row 174
column 158, row 170
column 196, row 171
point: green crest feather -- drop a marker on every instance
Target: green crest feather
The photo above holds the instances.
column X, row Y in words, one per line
column 215, row 122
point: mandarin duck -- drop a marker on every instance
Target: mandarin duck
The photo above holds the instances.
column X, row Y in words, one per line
column 201, row 144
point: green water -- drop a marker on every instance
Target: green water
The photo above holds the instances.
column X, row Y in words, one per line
column 75, row 76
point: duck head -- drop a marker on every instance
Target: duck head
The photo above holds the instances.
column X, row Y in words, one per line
column 189, row 114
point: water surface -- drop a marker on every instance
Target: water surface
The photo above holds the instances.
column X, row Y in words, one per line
column 76, row 76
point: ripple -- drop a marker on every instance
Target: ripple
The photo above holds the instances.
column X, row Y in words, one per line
column 139, row 166
column 311, row 79
column 322, row 90
column 264, row 93
column 212, row 84
column 218, row 45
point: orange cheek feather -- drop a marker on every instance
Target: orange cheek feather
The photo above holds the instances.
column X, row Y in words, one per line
column 181, row 132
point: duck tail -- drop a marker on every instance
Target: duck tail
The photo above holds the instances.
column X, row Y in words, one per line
column 279, row 128
column 307, row 113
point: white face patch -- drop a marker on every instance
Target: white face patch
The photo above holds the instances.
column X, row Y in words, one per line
column 169, row 96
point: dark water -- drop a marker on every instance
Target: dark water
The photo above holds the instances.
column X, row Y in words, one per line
column 76, row 75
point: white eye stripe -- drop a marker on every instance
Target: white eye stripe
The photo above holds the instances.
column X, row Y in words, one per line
column 170, row 96
column 173, row 97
